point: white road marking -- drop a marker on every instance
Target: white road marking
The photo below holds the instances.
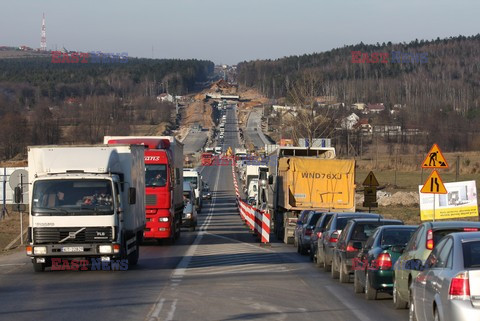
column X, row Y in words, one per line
column 171, row 313
column 179, row 272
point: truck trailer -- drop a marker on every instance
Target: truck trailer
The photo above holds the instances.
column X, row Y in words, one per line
column 163, row 184
column 86, row 203
column 303, row 178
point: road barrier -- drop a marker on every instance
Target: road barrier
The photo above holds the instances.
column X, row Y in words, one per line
column 257, row 220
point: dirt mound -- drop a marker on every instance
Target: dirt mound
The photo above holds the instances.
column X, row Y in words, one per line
column 198, row 112
column 389, row 199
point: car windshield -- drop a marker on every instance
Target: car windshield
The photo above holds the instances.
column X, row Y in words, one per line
column 192, row 180
column 471, row 254
column 72, row 197
column 314, row 219
column 155, row 175
column 341, row 222
column 392, row 237
column 362, row 231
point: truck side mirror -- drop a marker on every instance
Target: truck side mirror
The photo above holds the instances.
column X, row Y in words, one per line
column 270, row 179
column 18, row 195
column 132, row 195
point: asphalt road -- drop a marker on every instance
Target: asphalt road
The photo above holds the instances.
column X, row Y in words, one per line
column 219, row 272
column 254, row 122
column 194, row 141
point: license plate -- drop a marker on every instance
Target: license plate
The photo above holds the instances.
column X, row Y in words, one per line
column 72, row 249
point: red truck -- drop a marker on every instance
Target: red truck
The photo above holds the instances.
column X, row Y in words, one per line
column 163, row 184
column 207, row 159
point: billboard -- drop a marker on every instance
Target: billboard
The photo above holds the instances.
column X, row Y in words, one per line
column 460, row 201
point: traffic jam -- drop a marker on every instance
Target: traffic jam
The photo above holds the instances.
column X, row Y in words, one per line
column 432, row 269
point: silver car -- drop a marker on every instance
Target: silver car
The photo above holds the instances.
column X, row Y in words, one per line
column 448, row 288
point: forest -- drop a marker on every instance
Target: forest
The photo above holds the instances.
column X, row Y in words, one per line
column 440, row 94
column 46, row 103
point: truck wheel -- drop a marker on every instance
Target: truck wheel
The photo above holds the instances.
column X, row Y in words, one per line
column 38, row 267
column 133, row 257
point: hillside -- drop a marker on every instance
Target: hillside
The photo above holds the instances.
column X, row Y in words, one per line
column 441, row 95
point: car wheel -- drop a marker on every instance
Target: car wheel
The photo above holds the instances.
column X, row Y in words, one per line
column 370, row 292
column 303, row 250
column 326, row 267
column 357, row 287
column 344, row 276
column 412, row 314
column 398, row 303
column 318, row 260
column 436, row 315
column 334, row 273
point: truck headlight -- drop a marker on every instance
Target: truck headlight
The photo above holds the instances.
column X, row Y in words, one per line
column 105, row 249
column 40, row 250
column 188, row 215
column 163, row 219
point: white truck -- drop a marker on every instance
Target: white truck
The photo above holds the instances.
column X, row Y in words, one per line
column 86, row 203
column 194, row 177
column 251, row 173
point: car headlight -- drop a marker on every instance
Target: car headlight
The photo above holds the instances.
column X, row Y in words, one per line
column 163, row 219
column 40, row 250
column 105, row 249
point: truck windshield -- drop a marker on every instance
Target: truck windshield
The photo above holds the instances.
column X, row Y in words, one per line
column 155, row 175
column 72, row 197
column 192, row 180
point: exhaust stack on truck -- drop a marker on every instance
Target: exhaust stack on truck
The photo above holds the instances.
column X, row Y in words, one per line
column 87, row 202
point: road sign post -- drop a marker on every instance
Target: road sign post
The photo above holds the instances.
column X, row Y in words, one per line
column 370, row 191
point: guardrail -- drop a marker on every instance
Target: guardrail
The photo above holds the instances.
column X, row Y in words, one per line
column 257, row 220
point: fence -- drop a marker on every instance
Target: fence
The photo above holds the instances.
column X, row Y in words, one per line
column 257, row 220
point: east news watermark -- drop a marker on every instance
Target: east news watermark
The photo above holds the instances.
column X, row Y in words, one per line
column 93, row 57
column 95, row 264
column 396, row 57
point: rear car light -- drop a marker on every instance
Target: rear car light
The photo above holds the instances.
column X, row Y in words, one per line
column 459, row 287
column 350, row 247
column 333, row 238
column 319, row 234
column 430, row 244
column 384, row 261
column 470, row 229
column 308, row 231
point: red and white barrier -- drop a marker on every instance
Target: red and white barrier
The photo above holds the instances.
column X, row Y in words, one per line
column 257, row 220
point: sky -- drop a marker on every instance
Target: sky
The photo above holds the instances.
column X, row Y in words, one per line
column 227, row 31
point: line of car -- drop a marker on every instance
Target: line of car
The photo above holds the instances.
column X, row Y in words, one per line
column 432, row 268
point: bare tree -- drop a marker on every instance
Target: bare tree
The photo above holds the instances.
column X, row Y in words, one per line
column 311, row 121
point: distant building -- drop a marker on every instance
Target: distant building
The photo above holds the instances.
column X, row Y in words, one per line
column 375, row 108
column 358, row 106
column 165, row 97
column 349, row 122
column 364, row 126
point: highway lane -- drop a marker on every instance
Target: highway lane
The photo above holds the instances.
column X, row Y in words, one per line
column 194, row 141
column 219, row 272
column 252, row 129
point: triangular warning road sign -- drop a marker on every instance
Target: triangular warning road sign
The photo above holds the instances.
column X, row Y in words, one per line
column 370, row 180
column 435, row 158
column 433, row 185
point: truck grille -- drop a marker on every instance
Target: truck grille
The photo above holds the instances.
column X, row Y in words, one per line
column 88, row 235
column 151, row 199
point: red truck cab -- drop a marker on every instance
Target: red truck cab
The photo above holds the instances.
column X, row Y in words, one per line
column 163, row 213
column 207, row 159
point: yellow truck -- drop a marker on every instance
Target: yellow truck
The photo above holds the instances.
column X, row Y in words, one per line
column 304, row 178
